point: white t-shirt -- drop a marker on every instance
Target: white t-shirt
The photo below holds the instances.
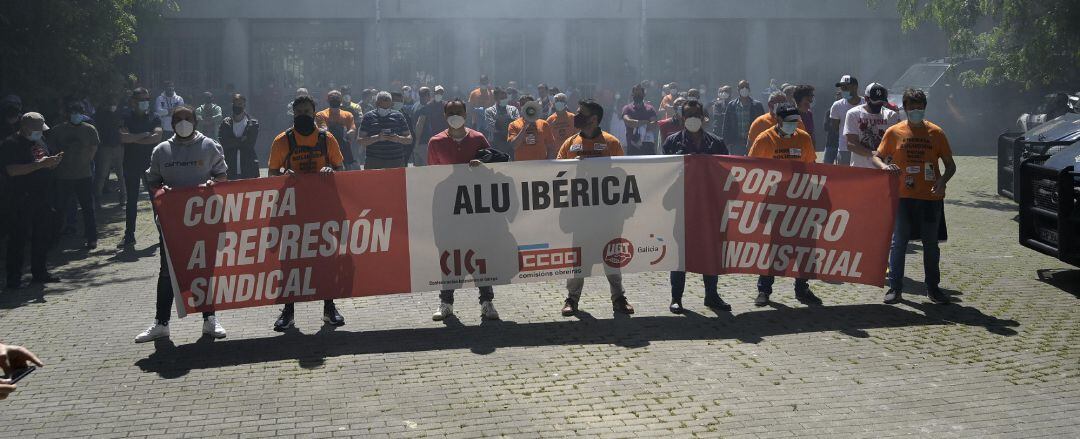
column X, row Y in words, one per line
column 839, row 111
column 870, row 128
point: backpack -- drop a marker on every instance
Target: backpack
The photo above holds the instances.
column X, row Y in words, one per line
column 320, row 144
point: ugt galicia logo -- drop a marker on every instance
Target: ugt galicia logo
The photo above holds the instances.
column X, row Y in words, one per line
column 618, row 253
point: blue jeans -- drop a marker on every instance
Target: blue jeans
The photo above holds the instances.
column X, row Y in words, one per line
column 764, row 284
column 927, row 214
column 832, row 146
column 678, row 284
column 487, row 294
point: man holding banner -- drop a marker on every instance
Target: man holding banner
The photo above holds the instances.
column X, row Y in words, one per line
column 458, row 145
column 305, row 148
column 591, row 141
column 913, row 149
column 693, row 140
column 785, row 141
column 187, row 159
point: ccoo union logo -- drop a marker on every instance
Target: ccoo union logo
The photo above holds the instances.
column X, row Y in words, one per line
column 538, row 257
column 618, row 253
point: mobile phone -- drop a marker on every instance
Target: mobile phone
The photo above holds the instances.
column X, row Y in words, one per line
column 387, row 132
column 20, row 374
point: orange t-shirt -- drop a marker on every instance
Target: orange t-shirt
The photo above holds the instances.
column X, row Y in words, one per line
column 665, row 105
column 337, row 116
column 576, row 146
column 307, row 157
column 481, row 97
column 762, row 124
column 771, row 145
column 537, row 145
column 917, row 151
column 562, row 127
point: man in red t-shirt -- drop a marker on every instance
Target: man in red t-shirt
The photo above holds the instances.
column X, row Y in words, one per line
column 458, row 145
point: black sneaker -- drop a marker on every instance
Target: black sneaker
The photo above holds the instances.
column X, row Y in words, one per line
column 127, row 242
column 717, row 303
column 569, row 307
column 762, row 298
column 892, row 297
column 330, row 315
column 807, row 297
column 937, row 296
column 91, row 245
column 675, row 307
column 286, row 320
column 45, row 279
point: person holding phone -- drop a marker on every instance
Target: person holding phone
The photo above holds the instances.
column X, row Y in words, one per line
column 385, row 134
column 13, row 360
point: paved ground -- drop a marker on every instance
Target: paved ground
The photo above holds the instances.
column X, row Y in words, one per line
column 1002, row 362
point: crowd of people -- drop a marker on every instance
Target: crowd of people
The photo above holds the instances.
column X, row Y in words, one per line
column 152, row 143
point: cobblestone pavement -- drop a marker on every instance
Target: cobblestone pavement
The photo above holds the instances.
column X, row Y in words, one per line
column 1003, row 362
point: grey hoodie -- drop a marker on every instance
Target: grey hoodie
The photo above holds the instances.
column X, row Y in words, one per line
column 188, row 163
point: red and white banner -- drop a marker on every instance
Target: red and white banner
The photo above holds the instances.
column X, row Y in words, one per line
column 348, row 234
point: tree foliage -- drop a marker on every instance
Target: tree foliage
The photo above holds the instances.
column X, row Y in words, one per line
column 1033, row 43
column 55, row 48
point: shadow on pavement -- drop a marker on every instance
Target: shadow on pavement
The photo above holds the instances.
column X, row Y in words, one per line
column 311, row 350
column 1064, row 280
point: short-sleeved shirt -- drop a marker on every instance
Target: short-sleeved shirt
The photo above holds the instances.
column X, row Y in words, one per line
column 645, row 111
column 108, row 126
column 604, row 145
column 668, row 127
column 396, row 123
column 481, row 97
column 78, row 143
column 444, row 150
column 562, row 126
column 764, row 123
column 336, row 116
column 770, row 144
column 307, row 157
column 18, row 150
column 838, row 111
column 538, row 144
column 434, row 119
column 499, row 118
column 869, row 127
column 917, row 151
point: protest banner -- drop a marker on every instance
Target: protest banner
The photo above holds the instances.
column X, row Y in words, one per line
column 348, row 234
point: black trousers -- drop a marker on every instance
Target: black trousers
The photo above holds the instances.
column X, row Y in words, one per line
column 83, row 191
column 165, row 290
column 133, row 177
column 32, row 219
column 243, row 163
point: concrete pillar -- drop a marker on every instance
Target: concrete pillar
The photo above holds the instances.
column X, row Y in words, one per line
column 757, row 55
column 235, row 59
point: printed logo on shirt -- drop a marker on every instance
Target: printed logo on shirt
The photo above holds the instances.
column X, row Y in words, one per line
column 196, row 163
column 913, row 169
column 576, row 147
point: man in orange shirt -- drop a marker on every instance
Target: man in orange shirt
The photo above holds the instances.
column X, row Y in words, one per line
column 479, row 99
column 768, row 120
column 561, row 121
column 529, row 135
column 591, row 141
column 785, row 141
column 915, row 149
column 339, row 122
column 305, row 148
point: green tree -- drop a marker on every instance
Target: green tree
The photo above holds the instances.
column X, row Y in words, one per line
column 55, row 48
column 1033, row 43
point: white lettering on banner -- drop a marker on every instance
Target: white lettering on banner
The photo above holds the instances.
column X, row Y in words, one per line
column 215, row 209
column 560, row 193
column 801, row 260
column 219, row 290
column 763, row 182
column 796, row 221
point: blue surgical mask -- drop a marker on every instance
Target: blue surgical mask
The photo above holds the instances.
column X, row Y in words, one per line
column 75, row 118
column 35, row 136
column 504, row 101
column 845, row 94
column 144, row 105
column 916, row 116
column 560, row 105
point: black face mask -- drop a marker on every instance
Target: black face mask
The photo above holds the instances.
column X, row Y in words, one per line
column 237, row 110
column 335, row 103
column 580, row 121
column 304, row 124
column 874, row 107
column 639, row 100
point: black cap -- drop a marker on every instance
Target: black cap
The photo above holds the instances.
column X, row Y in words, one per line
column 847, row 80
column 877, row 93
column 785, row 110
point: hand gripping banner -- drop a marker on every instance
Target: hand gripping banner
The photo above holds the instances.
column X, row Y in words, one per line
column 349, row 234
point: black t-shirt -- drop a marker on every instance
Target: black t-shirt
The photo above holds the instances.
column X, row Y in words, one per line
column 137, row 155
column 434, row 120
column 18, row 150
column 108, row 126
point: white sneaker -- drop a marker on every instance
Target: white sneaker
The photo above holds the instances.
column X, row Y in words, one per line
column 487, row 311
column 154, row 332
column 445, row 310
column 211, row 327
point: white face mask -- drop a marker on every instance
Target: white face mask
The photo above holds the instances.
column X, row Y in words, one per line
column 692, row 124
column 724, row 96
column 35, row 136
column 744, row 92
column 382, row 112
column 455, row 121
column 438, row 98
column 184, row 129
column 789, row 127
column 144, row 105
column 560, row 105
